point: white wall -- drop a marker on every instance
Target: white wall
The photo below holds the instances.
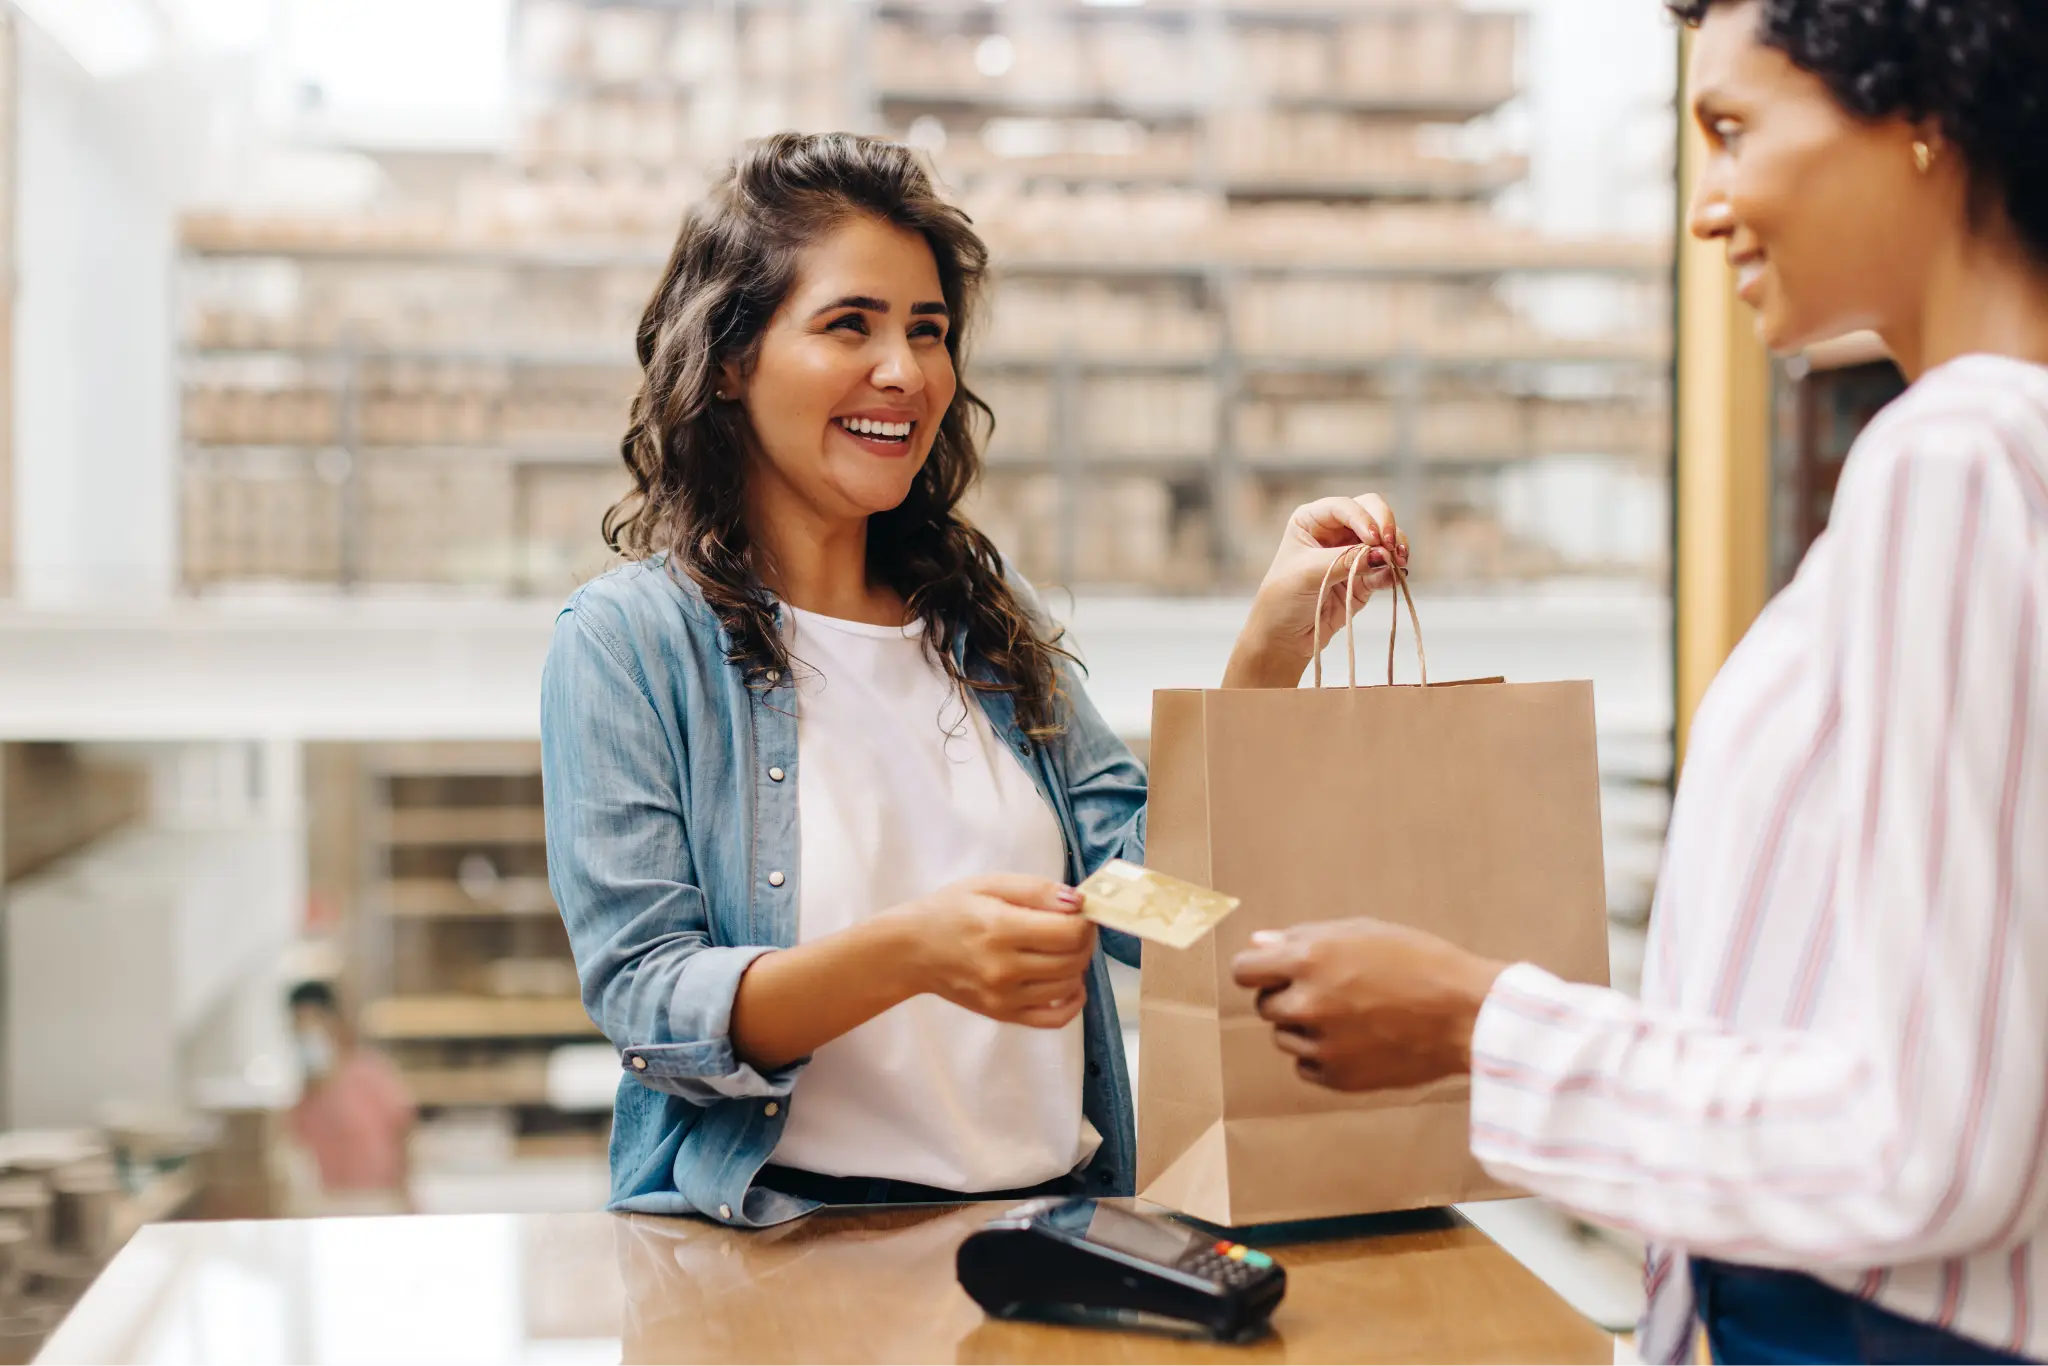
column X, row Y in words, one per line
column 95, row 408
column 143, row 970
column 1601, row 77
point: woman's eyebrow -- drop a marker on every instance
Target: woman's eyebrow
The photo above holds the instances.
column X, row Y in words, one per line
column 867, row 303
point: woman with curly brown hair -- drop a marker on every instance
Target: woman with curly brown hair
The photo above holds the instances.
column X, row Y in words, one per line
column 1828, row 1114
column 819, row 777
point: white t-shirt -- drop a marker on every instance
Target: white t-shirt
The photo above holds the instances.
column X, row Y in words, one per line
column 902, row 788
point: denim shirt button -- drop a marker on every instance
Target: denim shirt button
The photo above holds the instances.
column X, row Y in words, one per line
column 774, row 675
column 776, row 879
column 775, row 775
column 639, row 1064
column 725, row 1211
column 771, row 1109
column 1094, row 1069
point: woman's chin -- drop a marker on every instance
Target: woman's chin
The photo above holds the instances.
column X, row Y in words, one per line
column 1785, row 332
column 873, row 496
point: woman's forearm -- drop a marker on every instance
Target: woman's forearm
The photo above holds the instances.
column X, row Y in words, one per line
column 1259, row 660
column 792, row 1002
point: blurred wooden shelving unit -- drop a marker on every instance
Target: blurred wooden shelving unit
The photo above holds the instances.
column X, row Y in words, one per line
column 462, row 963
column 1245, row 254
column 436, row 1018
column 1289, row 211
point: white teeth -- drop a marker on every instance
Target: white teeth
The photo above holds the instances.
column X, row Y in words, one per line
column 869, row 427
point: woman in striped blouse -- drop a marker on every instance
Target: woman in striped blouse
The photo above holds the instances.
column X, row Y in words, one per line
column 1828, row 1114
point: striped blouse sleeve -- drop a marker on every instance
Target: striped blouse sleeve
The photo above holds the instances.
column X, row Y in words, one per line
column 1914, row 1127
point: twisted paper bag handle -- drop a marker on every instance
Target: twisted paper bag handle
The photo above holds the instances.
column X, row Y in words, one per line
column 1357, row 557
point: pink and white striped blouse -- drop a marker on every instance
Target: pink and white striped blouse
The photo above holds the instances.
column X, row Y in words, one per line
column 1840, row 1061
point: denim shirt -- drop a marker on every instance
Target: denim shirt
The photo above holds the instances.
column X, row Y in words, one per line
column 671, row 792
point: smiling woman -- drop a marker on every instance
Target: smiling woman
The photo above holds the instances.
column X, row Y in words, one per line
column 823, row 292
column 819, row 777
column 1867, row 156
column 1827, row 1114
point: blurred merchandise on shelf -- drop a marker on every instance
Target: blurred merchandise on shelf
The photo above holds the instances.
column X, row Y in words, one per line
column 1130, row 530
column 71, row 1198
column 461, row 968
column 1041, row 319
column 1245, row 254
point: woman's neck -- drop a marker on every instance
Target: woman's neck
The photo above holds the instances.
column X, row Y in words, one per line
column 1985, row 295
column 816, row 562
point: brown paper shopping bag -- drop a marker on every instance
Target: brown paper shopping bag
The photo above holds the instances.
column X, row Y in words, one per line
column 1469, row 810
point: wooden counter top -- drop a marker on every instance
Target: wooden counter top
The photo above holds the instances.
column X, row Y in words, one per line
column 856, row 1285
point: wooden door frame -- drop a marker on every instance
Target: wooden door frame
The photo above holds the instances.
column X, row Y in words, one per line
column 1721, row 488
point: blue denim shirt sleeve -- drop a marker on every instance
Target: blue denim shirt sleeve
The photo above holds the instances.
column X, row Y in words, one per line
column 1106, row 785
column 620, row 867
column 1106, row 788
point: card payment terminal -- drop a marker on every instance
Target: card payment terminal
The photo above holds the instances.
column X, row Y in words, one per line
column 1079, row 1259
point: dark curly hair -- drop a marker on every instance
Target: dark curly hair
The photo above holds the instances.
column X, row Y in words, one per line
column 734, row 263
column 1975, row 68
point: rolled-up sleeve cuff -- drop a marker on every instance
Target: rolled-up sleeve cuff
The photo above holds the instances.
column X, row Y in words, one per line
column 1527, row 1017
column 700, row 1065
column 1504, row 1032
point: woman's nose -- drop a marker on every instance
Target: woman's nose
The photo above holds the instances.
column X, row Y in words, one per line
column 1710, row 215
column 898, row 368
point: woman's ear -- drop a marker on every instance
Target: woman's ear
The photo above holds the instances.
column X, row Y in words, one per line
column 730, row 386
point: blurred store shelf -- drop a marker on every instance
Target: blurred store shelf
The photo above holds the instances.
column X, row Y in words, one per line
column 417, row 1018
column 522, row 1081
column 1499, row 251
column 1109, row 104
column 461, row 826
column 1198, row 215
column 425, row 896
column 458, row 957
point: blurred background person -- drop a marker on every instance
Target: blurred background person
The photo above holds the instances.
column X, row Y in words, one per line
column 353, row 1118
column 1828, row 1111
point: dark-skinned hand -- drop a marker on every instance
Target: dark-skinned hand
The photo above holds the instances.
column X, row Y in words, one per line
column 1362, row 1005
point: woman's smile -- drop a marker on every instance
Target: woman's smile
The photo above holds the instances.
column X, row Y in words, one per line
column 1749, row 268
column 888, row 433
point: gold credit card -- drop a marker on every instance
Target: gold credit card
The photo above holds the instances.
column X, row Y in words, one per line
column 1165, row 910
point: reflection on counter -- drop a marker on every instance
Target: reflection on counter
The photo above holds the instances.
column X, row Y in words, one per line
column 847, row 1285
column 863, row 1285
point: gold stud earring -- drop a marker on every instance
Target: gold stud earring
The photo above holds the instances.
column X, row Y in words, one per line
column 1923, row 157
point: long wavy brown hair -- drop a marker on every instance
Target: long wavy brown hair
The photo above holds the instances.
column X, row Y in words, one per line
column 734, row 263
